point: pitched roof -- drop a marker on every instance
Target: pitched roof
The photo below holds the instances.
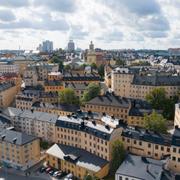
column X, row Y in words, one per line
column 141, row 168
column 77, row 156
column 15, row 137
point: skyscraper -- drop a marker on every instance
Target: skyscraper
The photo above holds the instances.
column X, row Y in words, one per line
column 71, row 46
column 47, row 46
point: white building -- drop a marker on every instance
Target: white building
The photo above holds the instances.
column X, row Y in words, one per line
column 8, row 68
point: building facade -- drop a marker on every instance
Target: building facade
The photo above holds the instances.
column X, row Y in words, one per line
column 18, row 150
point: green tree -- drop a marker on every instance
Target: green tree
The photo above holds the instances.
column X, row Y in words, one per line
column 157, row 98
column 44, row 145
column 89, row 177
column 91, row 92
column 101, row 70
column 93, row 66
column 155, row 122
column 118, row 155
column 67, row 67
column 120, row 62
column 68, row 96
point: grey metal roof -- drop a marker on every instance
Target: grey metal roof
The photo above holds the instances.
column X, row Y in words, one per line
column 77, row 156
column 156, row 80
column 6, row 85
column 110, row 100
column 146, row 135
column 16, row 137
column 39, row 116
column 141, row 168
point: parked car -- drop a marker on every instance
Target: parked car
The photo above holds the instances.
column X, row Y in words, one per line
column 51, row 172
column 48, row 169
column 56, row 173
column 42, row 169
column 69, row 175
column 61, row 175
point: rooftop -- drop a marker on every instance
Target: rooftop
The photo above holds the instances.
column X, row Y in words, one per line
column 39, row 116
column 146, row 135
column 15, row 137
column 138, row 167
column 110, row 100
column 77, row 156
column 5, row 86
column 156, row 80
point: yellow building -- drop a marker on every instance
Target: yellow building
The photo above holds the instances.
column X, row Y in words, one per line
column 39, row 124
column 126, row 83
column 53, row 86
column 76, row 161
column 8, row 91
column 18, row 150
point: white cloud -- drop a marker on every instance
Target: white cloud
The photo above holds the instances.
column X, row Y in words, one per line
column 110, row 23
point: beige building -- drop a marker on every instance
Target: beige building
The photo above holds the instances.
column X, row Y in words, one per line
column 18, row 150
column 127, row 83
column 8, row 91
column 177, row 115
column 36, row 74
column 39, row 124
column 76, row 161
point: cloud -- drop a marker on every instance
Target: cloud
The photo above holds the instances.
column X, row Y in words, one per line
column 66, row 6
column 153, row 23
column 115, row 35
column 14, row 3
column 138, row 7
column 77, row 32
column 6, row 15
column 156, row 34
column 45, row 24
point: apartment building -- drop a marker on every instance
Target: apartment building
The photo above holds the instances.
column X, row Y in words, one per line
column 86, row 134
column 39, row 95
column 37, row 73
column 54, row 76
column 59, row 109
column 5, row 122
column 174, row 162
column 53, row 86
column 132, row 111
column 34, row 123
column 18, row 150
column 177, row 115
column 138, row 167
column 109, row 104
column 8, row 91
column 8, row 68
column 81, row 78
column 127, row 83
column 76, row 161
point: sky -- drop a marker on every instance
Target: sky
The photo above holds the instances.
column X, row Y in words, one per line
column 110, row 24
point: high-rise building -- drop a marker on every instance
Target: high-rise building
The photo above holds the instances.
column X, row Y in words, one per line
column 71, row 46
column 91, row 46
column 46, row 46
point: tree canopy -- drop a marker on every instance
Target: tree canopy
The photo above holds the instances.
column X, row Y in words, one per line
column 68, row 96
column 155, row 122
column 118, row 155
column 91, row 92
column 157, row 98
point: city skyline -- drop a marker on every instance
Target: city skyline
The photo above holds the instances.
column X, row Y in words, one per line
column 109, row 24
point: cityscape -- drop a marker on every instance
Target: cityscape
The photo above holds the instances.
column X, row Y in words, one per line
column 89, row 90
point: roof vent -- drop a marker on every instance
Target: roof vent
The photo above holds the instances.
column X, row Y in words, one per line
column 107, row 127
column 3, row 136
column 94, row 122
column 14, row 140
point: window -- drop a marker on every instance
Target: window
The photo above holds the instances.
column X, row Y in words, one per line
column 174, row 150
column 120, row 177
column 162, row 148
column 149, row 145
column 156, row 146
column 140, row 143
column 134, row 141
column 174, row 158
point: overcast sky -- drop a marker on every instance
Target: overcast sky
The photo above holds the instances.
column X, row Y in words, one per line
column 110, row 24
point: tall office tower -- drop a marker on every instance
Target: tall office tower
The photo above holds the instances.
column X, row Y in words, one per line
column 71, row 46
column 47, row 46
